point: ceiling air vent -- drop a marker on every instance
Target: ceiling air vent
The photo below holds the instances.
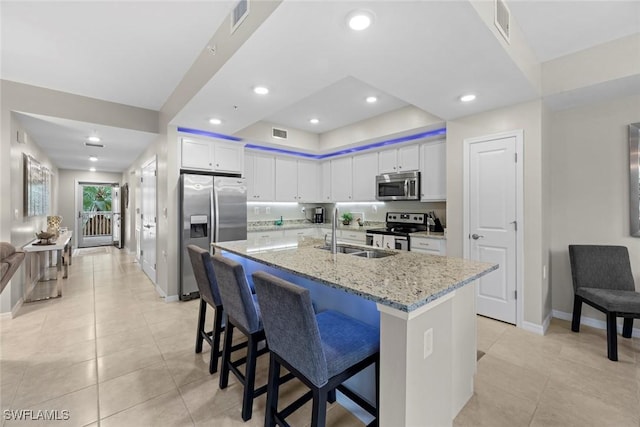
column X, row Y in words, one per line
column 94, row 144
column 503, row 19
column 239, row 14
column 278, row 133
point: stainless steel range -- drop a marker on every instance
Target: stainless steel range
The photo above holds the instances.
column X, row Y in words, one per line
column 396, row 234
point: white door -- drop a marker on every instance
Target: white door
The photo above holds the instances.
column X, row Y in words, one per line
column 148, row 238
column 492, row 201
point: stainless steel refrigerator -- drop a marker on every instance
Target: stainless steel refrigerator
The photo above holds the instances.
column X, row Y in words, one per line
column 212, row 209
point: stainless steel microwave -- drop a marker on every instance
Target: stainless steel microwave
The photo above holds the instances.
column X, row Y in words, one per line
column 398, row 186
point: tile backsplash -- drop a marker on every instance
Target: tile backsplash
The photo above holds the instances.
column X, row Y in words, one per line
column 373, row 212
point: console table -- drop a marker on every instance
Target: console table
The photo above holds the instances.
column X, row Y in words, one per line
column 46, row 283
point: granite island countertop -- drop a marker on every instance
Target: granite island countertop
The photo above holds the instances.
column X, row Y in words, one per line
column 404, row 281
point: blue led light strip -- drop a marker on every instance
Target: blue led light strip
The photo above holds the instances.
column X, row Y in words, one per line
column 385, row 143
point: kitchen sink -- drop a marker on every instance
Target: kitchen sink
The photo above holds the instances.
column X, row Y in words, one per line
column 358, row 251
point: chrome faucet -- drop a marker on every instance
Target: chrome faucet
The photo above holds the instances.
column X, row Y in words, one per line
column 334, row 231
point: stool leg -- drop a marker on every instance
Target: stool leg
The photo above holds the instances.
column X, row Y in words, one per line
column 273, row 386
column 376, row 422
column 226, row 356
column 612, row 337
column 319, row 409
column 201, row 318
column 331, row 396
column 249, row 378
column 215, row 349
column 627, row 327
column 577, row 312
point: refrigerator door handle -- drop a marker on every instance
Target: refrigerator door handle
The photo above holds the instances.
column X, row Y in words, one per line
column 215, row 212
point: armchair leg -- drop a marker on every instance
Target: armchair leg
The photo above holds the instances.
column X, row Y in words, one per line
column 577, row 312
column 612, row 337
column 627, row 327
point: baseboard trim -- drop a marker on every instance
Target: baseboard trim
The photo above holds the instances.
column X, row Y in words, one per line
column 594, row 323
column 171, row 298
column 533, row 327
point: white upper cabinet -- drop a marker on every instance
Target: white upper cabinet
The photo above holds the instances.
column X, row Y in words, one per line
column 365, row 169
column 260, row 175
column 296, row 180
column 433, row 167
column 342, row 179
column 215, row 156
column 325, row 177
column 196, row 154
column 308, row 181
column 228, row 157
column 401, row 159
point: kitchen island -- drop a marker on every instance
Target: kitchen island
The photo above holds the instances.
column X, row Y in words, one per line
column 424, row 305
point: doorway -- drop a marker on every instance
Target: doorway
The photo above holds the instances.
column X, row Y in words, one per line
column 95, row 222
column 148, row 219
column 493, row 221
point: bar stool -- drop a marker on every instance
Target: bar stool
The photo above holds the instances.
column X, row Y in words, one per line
column 243, row 313
column 209, row 294
column 322, row 350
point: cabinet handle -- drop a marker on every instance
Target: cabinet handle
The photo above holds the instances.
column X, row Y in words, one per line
column 399, row 167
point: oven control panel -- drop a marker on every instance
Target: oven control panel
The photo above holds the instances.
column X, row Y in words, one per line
column 407, row 218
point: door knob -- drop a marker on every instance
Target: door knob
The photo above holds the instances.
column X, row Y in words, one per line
column 476, row 236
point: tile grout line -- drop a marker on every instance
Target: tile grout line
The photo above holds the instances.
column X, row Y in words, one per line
column 95, row 332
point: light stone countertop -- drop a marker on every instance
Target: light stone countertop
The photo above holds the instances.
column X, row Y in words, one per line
column 430, row 234
column 405, row 281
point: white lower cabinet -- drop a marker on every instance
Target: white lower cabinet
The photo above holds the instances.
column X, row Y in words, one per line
column 429, row 245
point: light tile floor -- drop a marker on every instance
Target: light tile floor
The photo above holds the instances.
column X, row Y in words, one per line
column 112, row 353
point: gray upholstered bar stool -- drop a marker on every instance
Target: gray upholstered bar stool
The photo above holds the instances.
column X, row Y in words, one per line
column 243, row 313
column 322, row 350
column 209, row 294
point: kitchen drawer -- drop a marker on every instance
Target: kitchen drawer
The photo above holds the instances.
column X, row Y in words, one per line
column 352, row 236
column 300, row 232
column 427, row 245
column 264, row 235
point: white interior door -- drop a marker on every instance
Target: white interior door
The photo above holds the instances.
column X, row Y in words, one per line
column 149, row 215
column 492, row 215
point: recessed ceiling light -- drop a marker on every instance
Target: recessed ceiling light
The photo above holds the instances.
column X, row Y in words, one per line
column 371, row 99
column 93, row 138
column 93, row 158
column 261, row 90
column 92, row 169
column 467, row 98
column 215, row 121
column 359, row 20
column 314, row 121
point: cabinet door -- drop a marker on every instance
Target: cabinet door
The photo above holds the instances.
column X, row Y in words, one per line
column 388, row 161
column 286, row 180
column 409, row 158
column 264, row 174
column 308, row 181
column 325, row 176
column 196, row 154
column 342, row 180
column 433, row 185
column 227, row 157
column 365, row 169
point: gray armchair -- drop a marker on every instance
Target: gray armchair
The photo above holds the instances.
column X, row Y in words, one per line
column 10, row 260
column 602, row 278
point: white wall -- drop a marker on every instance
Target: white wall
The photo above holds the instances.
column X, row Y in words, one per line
column 68, row 203
column 527, row 116
column 261, row 133
column 590, row 188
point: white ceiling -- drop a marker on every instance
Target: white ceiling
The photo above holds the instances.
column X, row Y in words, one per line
column 423, row 53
